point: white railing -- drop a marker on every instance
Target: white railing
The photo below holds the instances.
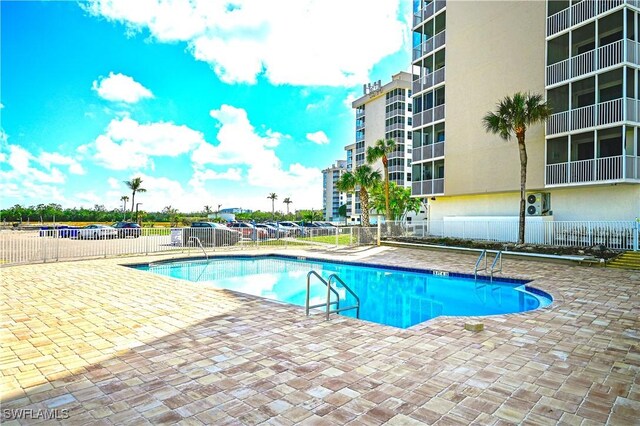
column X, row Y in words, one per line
column 592, row 170
column 581, row 12
column 32, row 246
column 394, row 112
column 609, row 112
column 617, row 235
column 395, row 126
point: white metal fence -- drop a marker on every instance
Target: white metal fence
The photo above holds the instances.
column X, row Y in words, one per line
column 617, row 235
column 32, row 246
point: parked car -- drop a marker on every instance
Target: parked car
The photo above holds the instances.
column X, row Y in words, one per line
column 127, row 229
column 292, row 227
column 211, row 234
column 60, row 231
column 96, row 231
column 249, row 231
column 273, row 231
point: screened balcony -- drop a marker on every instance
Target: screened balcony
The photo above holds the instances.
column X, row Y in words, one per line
column 428, row 9
column 428, row 178
column 582, row 11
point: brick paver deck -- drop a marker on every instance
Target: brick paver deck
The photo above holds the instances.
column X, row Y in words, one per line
column 104, row 344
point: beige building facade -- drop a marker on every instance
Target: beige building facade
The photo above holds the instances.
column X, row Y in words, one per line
column 583, row 57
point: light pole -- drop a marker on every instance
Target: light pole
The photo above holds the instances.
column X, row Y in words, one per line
column 137, row 206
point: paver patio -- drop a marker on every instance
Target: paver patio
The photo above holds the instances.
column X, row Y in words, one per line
column 105, row 344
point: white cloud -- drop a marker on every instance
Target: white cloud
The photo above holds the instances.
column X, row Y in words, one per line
column 200, row 176
column 120, row 88
column 318, row 137
column 300, row 42
column 46, row 159
column 127, row 144
column 19, row 161
column 114, row 183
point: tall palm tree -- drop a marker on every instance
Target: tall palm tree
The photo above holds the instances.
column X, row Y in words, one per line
column 124, row 199
column 362, row 179
column 379, row 151
column 135, row 185
column 514, row 115
column 273, row 197
column 287, row 201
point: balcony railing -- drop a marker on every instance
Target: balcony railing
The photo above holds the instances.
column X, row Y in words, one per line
column 427, row 187
column 396, row 98
column 606, row 56
column 581, row 12
column 395, row 154
column 394, row 112
column 359, row 113
column 359, row 137
column 417, row 119
column 428, row 11
column 430, row 115
column 593, row 170
column 394, row 126
column 428, row 152
column 428, row 81
column 429, row 45
column 396, row 169
column 610, row 112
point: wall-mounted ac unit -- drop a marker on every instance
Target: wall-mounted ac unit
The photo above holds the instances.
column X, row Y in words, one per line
column 538, row 203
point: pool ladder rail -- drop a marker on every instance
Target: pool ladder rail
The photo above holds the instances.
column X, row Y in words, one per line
column 496, row 266
column 330, row 290
column 200, row 244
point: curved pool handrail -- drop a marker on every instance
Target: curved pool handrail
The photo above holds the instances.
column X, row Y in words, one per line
column 328, row 303
column 357, row 306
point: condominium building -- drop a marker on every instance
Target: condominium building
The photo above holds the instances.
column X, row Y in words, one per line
column 584, row 56
column 382, row 112
column 333, row 198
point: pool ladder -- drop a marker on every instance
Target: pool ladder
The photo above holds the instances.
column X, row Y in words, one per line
column 496, row 266
column 330, row 290
column 200, row 244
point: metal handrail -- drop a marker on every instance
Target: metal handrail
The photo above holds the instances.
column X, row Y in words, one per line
column 477, row 267
column 356, row 307
column 493, row 265
column 200, row 244
column 328, row 303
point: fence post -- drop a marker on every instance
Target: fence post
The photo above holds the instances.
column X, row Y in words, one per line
column 351, row 236
column 337, row 229
column 636, row 235
column 379, row 229
column 44, row 248
column 146, row 243
column 58, row 245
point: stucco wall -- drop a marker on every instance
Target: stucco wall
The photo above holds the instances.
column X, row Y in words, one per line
column 493, row 49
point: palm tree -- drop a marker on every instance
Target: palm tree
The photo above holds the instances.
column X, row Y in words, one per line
column 379, row 151
column 124, row 199
column 273, row 197
column 514, row 115
column 362, row 179
column 287, row 201
column 207, row 210
column 135, row 185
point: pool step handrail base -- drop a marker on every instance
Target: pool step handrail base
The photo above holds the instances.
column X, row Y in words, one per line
column 330, row 291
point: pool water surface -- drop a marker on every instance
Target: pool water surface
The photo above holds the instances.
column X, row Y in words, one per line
column 390, row 296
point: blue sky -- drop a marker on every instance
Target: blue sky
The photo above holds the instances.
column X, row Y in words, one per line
column 210, row 102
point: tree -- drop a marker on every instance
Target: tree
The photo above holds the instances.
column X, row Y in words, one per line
column 377, row 152
column 287, row 201
column 273, row 197
column 124, row 199
column 514, row 115
column 400, row 200
column 135, row 185
column 342, row 212
column 362, row 179
column 207, row 210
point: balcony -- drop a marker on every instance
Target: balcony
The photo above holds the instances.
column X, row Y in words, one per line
column 395, row 154
column 359, row 113
column 610, row 112
column 360, row 151
column 427, row 187
column 594, row 60
column 596, row 170
column 359, row 137
column 428, row 11
column 396, row 169
column 394, row 112
column 581, row 12
column 430, row 45
column 396, row 98
column 428, row 152
column 394, row 126
column 428, row 81
column 429, row 116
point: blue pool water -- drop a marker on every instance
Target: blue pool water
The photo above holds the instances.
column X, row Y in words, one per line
column 396, row 297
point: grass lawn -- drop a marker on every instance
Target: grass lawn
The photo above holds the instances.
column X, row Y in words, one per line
column 343, row 239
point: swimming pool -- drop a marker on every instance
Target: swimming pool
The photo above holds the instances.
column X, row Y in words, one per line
column 399, row 297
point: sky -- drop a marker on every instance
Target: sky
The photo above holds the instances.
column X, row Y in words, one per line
column 210, row 102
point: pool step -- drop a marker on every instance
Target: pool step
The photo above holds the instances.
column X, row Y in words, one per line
column 627, row 260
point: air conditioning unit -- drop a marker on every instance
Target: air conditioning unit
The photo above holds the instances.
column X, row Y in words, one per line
column 538, row 203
